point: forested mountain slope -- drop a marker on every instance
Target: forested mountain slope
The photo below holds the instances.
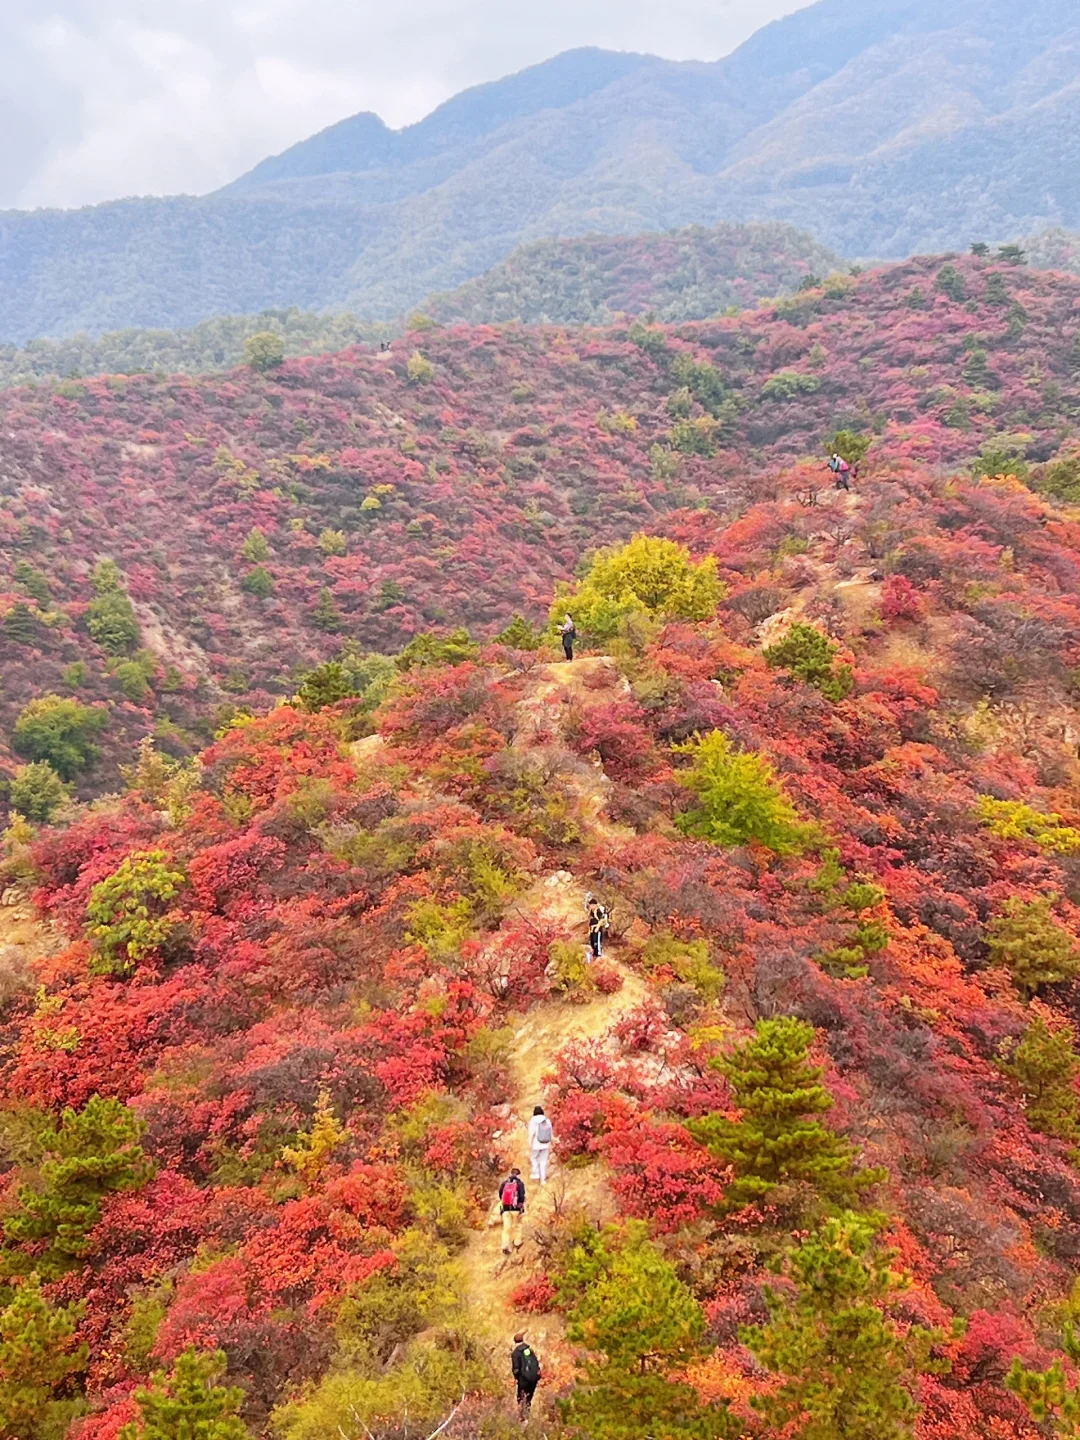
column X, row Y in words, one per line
column 882, row 128
column 258, row 522
column 685, row 275
column 689, row 274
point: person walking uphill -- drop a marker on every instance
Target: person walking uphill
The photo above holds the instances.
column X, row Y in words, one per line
column 569, row 634
column 512, row 1208
column 540, row 1138
column 525, row 1368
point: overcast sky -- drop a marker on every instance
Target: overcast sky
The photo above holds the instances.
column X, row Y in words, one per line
column 103, row 98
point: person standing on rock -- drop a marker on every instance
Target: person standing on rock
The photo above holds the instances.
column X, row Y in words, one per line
column 525, row 1368
column 512, row 1208
column 569, row 634
column 540, row 1138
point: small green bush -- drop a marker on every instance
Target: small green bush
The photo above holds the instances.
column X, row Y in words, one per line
column 789, row 385
column 37, row 791
column 127, row 911
column 809, row 655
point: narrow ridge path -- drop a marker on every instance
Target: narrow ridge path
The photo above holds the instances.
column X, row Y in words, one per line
column 489, row 1277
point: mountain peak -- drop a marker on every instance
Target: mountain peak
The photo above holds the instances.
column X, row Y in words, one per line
column 364, row 142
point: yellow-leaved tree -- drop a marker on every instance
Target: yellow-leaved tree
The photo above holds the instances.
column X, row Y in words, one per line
column 649, row 578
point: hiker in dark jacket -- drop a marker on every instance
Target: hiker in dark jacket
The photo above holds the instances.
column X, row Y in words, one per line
column 525, row 1367
column 599, row 925
column 512, row 1207
column 569, row 635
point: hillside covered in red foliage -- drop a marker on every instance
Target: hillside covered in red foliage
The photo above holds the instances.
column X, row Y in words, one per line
column 258, row 522
column 815, row 1109
column 312, row 987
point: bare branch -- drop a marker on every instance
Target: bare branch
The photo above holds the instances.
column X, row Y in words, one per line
column 448, row 1419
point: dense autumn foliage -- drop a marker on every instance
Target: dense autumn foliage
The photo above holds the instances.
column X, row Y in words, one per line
column 257, row 521
column 833, row 812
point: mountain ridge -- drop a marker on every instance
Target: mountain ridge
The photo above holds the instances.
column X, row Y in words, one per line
column 819, row 120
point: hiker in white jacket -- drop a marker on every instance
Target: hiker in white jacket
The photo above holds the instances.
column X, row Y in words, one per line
column 540, row 1138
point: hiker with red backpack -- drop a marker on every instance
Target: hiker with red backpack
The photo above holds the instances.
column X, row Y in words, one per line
column 540, row 1137
column 512, row 1208
column 525, row 1368
column 841, row 469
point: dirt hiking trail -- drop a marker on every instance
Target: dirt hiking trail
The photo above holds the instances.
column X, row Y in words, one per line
column 23, row 938
column 489, row 1277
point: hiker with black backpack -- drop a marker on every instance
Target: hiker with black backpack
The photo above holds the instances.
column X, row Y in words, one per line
column 512, row 1208
column 569, row 634
column 540, row 1138
column 525, row 1368
column 599, row 925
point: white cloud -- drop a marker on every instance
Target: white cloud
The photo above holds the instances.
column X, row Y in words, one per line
column 103, row 98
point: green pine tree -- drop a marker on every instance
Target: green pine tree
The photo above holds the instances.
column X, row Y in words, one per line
column 1012, row 254
column 1050, row 1396
column 326, row 615
column 809, row 655
column 739, row 798
column 951, row 283
column 639, row 1325
column 37, row 1353
column 34, row 582
column 851, row 444
column 977, row 372
column 111, row 620
column 1026, row 940
column 325, row 685
column 37, row 792
column 86, row 1155
column 258, row 582
column 997, row 292
column 20, row 624
column 846, row 1370
column 778, row 1142
column 1045, row 1065
column 519, row 635
column 189, row 1404
column 128, row 911
column 427, row 648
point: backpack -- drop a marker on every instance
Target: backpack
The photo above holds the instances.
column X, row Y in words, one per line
column 510, row 1195
column 543, row 1131
column 530, row 1366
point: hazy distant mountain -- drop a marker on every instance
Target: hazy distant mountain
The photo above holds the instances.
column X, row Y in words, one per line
column 883, row 126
